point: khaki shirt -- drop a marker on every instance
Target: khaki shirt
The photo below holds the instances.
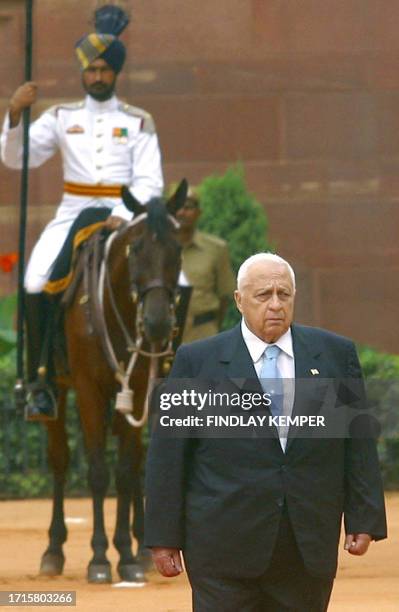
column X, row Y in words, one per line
column 206, row 264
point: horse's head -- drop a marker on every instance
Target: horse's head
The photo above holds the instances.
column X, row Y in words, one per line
column 154, row 256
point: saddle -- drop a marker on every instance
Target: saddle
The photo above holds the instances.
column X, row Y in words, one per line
column 79, row 263
column 88, row 222
column 78, row 259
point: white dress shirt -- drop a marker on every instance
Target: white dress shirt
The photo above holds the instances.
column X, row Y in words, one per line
column 285, row 364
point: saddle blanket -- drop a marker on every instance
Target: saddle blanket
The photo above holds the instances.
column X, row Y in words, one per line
column 89, row 221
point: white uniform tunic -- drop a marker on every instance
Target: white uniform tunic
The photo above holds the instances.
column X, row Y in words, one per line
column 106, row 143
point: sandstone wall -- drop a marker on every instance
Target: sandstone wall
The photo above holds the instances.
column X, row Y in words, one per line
column 305, row 94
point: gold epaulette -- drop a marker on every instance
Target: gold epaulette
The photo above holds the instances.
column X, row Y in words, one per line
column 147, row 122
column 67, row 106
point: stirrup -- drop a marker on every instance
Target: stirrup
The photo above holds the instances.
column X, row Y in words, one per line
column 41, row 404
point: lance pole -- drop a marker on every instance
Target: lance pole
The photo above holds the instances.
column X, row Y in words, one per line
column 19, row 386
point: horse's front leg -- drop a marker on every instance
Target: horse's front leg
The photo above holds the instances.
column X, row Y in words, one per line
column 144, row 557
column 52, row 562
column 92, row 407
column 129, row 567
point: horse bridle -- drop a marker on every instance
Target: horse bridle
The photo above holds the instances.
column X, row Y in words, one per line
column 141, row 294
column 124, row 399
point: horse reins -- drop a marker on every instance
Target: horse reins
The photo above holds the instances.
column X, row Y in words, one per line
column 124, row 398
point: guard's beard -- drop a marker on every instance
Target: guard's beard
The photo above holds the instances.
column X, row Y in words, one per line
column 100, row 91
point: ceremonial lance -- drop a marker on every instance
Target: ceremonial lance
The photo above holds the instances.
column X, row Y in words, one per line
column 19, row 389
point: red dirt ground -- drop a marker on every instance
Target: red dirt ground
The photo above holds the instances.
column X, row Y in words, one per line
column 366, row 584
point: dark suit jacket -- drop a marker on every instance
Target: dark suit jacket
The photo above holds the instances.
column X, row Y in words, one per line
column 220, row 500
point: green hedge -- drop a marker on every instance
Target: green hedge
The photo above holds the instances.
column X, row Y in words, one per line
column 23, row 446
column 23, row 464
column 381, row 372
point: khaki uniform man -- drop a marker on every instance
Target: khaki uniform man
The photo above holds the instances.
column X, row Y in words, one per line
column 206, row 266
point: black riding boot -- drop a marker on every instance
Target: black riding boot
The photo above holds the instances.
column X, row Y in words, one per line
column 41, row 403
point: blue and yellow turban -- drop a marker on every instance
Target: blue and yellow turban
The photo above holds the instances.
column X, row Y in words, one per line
column 110, row 21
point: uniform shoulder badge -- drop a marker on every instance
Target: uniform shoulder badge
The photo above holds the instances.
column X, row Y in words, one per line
column 67, row 106
column 147, row 123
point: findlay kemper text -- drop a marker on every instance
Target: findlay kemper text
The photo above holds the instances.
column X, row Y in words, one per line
column 243, row 420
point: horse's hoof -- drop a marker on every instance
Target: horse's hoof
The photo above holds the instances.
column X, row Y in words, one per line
column 144, row 557
column 132, row 572
column 52, row 564
column 99, row 573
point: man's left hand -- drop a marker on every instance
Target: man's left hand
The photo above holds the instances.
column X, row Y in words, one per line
column 357, row 543
column 167, row 561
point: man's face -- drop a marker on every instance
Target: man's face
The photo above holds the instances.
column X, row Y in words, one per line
column 99, row 80
column 188, row 214
column 266, row 300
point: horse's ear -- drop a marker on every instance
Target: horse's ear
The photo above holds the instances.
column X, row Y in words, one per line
column 177, row 200
column 130, row 201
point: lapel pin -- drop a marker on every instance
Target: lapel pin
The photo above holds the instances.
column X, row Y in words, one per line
column 314, row 371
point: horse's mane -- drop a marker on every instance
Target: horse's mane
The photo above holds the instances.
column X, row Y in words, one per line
column 157, row 219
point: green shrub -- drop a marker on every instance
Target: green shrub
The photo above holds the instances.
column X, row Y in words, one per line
column 24, row 471
column 22, row 446
column 23, row 461
column 8, row 336
column 381, row 372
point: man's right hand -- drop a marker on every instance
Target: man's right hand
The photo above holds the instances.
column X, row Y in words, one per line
column 23, row 97
column 167, row 561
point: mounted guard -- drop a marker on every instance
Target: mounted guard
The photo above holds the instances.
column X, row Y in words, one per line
column 104, row 144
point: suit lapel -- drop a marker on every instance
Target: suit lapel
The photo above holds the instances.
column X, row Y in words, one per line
column 307, row 354
column 308, row 376
column 236, row 359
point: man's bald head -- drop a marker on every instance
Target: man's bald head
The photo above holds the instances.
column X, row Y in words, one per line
column 259, row 258
column 265, row 295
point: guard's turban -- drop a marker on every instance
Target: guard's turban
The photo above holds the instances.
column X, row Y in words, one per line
column 110, row 21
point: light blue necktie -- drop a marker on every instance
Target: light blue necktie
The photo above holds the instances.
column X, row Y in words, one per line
column 270, row 379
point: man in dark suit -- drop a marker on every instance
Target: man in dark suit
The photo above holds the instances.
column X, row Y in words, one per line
column 258, row 517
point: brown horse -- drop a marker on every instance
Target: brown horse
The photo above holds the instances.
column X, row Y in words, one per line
column 114, row 331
